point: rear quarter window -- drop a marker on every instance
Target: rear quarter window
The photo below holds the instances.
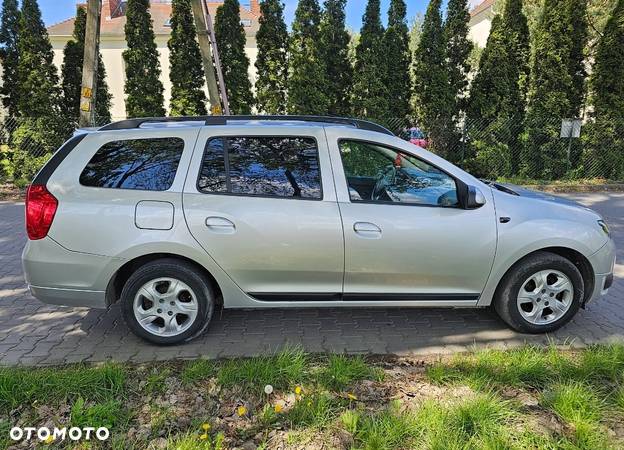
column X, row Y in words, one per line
column 142, row 164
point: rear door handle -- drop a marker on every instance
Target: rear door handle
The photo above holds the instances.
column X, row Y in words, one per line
column 367, row 230
column 220, row 225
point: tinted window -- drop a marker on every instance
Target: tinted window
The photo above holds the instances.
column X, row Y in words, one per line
column 147, row 164
column 266, row 166
column 381, row 174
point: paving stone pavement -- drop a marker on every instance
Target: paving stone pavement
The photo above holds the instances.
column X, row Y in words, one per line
column 32, row 333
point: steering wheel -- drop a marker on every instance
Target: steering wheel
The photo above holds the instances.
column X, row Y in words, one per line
column 380, row 186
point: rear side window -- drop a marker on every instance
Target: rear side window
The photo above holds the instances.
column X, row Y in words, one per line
column 264, row 166
column 143, row 164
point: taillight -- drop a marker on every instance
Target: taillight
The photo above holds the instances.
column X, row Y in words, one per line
column 40, row 209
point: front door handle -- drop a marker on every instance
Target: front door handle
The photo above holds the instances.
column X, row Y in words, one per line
column 367, row 230
column 220, row 225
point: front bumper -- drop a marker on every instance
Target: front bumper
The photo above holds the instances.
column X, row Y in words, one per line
column 603, row 263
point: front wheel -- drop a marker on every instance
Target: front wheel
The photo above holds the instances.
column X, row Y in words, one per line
column 540, row 293
column 167, row 302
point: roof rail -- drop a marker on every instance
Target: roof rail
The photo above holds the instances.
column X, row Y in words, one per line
column 223, row 120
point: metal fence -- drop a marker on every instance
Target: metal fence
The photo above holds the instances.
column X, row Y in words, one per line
column 498, row 150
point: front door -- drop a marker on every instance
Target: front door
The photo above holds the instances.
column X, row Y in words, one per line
column 264, row 207
column 406, row 238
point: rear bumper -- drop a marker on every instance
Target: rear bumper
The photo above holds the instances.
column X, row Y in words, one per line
column 59, row 276
column 603, row 262
column 69, row 297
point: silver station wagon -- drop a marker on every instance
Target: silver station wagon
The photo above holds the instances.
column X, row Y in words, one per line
column 173, row 217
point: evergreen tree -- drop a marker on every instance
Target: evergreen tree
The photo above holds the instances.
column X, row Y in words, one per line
column 144, row 90
column 186, row 72
column 41, row 129
column 271, row 63
column 371, row 97
column 334, row 50
column 605, row 154
column 398, row 60
column 458, row 48
column 579, row 36
column 433, row 97
column 37, row 78
column 9, row 55
column 550, row 90
column 71, row 73
column 307, row 81
column 230, row 35
column 495, row 113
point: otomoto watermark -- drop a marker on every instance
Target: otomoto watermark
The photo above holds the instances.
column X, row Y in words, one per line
column 55, row 434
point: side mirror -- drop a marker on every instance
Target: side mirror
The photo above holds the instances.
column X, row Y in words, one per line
column 476, row 199
column 470, row 197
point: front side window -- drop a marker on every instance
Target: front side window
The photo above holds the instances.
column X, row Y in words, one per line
column 144, row 164
column 264, row 166
column 376, row 173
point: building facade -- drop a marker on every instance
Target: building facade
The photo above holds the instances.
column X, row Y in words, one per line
column 113, row 43
column 481, row 22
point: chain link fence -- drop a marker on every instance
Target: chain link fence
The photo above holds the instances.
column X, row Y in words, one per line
column 510, row 149
column 526, row 150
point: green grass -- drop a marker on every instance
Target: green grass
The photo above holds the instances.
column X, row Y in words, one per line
column 52, row 386
column 575, row 402
column 478, row 422
column 530, row 367
column 156, row 380
column 313, row 411
column 109, row 413
column 192, row 441
column 389, row 429
column 342, row 371
column 197, row 370
column 527, row 398
column 284, row 370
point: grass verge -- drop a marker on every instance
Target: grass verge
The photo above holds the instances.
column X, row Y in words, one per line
column 537, row 398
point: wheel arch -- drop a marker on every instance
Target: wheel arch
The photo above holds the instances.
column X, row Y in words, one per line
column 121, row 275
column 577, row 258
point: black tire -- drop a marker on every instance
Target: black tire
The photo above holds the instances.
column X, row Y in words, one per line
column 505, row 298
column 173, row 268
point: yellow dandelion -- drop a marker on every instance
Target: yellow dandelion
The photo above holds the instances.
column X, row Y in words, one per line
column 298, row 390
column 241, row 410
column 204, row 436
column 49, row 439
column 351, row 396
column 206, row 426
column 278, row 407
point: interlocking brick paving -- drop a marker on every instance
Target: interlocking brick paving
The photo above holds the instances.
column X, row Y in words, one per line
column 32, row 333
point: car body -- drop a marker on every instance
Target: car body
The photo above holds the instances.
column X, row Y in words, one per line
column 295, row 212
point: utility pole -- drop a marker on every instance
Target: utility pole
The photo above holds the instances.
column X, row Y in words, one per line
column 90, row 64
column 208, row 47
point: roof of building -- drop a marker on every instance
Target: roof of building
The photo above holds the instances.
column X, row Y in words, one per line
column 112, row 23
column 481, row 7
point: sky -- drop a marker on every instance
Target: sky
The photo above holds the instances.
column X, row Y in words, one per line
column 58, row 10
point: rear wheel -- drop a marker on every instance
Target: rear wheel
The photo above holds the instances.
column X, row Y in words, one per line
column 167, row 302
column 540, row 294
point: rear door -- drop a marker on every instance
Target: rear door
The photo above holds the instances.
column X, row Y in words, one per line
column 263, row 205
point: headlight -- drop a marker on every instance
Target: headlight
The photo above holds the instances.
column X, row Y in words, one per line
column 604, row 227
